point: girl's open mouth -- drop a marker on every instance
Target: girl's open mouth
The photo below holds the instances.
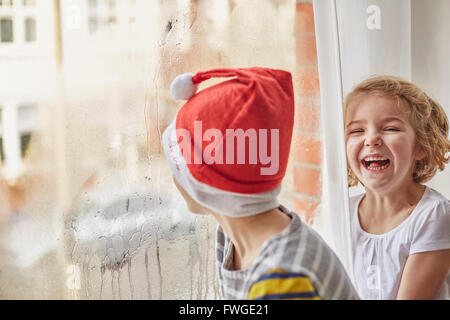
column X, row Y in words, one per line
column 375, row 163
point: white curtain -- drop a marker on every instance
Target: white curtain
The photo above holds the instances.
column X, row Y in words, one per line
column 357, row 39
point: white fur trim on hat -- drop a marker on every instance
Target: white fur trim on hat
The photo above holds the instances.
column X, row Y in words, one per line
column 182, row 87
column 228, row 203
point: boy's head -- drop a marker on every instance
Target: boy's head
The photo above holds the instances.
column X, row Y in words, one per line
column 229, row 144
column 424, row 115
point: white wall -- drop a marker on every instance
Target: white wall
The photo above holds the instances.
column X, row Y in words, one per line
column 375, row 38
column 431, row 62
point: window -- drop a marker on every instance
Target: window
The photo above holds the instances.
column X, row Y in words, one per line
column 6, row 3
column 30, row 29
column 2, row 156
column 27, row 116
column 93, row 16
column 6, row 30
column 111, row 20
column 93, row 24
column 98, row 214
column 93, row 4
column 111, row 4
column 132, row 5
column 1, row 137
column 25, row 139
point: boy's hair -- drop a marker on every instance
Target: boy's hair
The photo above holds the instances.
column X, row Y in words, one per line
column 426, row 116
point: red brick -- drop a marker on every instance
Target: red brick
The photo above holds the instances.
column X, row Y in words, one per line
column 307, row 115
column 307, row 81
column 307, row 181
column 304, row 18
column 306, row 209
column 306, row 51
column 307, row 149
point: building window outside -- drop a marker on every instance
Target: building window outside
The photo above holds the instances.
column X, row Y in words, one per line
column 6, row 3
column 93, row 24
column 2, row 157
column 93, row 4
column 111, row 20
column 111, row 4
column 132, row 6
column 30, row 29
column 29, row 3
column 93, row 16
column 6, row 30
column 111, row 15
column 102, row 14
column 27, row 115
column 25, row 139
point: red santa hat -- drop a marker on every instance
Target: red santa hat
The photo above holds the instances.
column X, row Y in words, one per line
column 228, row 145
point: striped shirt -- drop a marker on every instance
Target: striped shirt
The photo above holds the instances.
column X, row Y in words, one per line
column 294, row 264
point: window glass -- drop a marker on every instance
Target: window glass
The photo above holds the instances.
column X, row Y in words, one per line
column 30, row 29
column 30, row 3
column 1, row 135
column 6, row 30
column 6, row 3
column 90, row 210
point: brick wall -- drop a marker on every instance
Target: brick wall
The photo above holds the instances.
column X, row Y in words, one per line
column 307, row 141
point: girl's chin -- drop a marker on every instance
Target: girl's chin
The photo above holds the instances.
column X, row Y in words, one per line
column 377, row 188
column 377, row 182
column 384, row 186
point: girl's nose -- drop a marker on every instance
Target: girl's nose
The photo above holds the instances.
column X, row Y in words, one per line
column 373, row 139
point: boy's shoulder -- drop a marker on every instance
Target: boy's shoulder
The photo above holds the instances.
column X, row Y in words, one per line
column 302, row 253
column 299, row 240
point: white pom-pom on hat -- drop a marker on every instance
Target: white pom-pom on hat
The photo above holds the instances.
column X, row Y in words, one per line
column 182, row 87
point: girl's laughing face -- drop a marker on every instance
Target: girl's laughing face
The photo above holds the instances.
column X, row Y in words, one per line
column 380, row 143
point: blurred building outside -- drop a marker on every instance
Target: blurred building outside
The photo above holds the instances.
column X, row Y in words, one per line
column 83, row 102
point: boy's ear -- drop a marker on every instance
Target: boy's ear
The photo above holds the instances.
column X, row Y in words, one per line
column 192, row 205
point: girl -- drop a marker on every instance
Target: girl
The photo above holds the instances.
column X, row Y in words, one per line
column 396, row 139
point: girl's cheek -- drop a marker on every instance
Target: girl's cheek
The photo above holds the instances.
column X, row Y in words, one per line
column 401, row 147
column 351, row 151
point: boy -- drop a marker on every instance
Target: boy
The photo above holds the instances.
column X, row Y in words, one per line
column 217, row 148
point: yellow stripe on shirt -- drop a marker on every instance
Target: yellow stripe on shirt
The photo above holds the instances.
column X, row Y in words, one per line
column 280, row 284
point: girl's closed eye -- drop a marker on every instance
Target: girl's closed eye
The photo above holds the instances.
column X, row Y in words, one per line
column 393, row 129
column 355, row 131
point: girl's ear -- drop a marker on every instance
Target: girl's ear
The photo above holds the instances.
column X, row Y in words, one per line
column 420, row 153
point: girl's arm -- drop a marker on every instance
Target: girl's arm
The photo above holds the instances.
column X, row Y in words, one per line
column 424, row 274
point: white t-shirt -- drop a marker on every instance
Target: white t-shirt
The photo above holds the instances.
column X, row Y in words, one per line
column 379, row 259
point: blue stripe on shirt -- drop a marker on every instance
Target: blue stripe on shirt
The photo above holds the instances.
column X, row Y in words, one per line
column 280, row 276
column 292, row 295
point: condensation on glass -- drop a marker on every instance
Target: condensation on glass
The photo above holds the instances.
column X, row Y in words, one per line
column 89, row 209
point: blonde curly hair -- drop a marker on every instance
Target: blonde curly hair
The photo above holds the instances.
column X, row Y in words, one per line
column 426, row 116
